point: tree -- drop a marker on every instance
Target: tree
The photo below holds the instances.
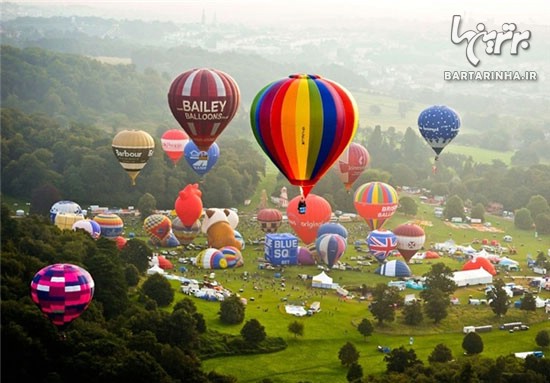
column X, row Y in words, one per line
column 399, row 359
column 147, row 204
column 355, row 373
column 528, row 303
column 523, row 219
column 296, row 328
column 253, row 332
column 478, row 212
column 131, row 275
column 158, row 288
column 413, row 313
column 440, row 354
column 137, row 253
column 365, row 328
column 385, row 299
column 436, row 305
column 231, row 310
column 348, row 354
column 454, row 207
column 438, row 278
column 407, row 206
column 537, row 205
column 542, row 223
column 498, row 298
column 42, row 199
column 543, row 339
column 472, row 343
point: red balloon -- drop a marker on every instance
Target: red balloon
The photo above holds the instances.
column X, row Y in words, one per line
column 410, row 239
column 204, row 101
column 188, row 205
column 306, row 225
column 120, row 242
column 270, row 220
column 173, row 142
column 352, row 163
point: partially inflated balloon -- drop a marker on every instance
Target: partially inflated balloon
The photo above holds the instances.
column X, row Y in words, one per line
column 211, row 259
column 303, row 123
column 157, row 226
column 201, row 161
column 410, row 239
column 306, row 225
column 381, row 243
column 120, row 242
column 305, row 257
column 65, row 221
column 111, row 225
column 133, row 148
column 375, row 202
column 88, row 225
column 438, row 124
column 62, row 292
column 332, row 228
column 232, row 256
column 185, row 234
column 269, row 220
column 188, row 205
column 352, row 163
column 64, row 207
column 330, row 248
column 203, row 101
column 173, row 143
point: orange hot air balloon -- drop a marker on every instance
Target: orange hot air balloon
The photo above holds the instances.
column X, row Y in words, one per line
column 133, row 148
column 410, row 239
column 173, row 143
column 375, row 202
column 306, row 225
column 352, row 163
column 304, row 123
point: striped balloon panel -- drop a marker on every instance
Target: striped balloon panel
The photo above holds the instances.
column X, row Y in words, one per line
column 133, row 148
column 375, row 202
column 111, row 225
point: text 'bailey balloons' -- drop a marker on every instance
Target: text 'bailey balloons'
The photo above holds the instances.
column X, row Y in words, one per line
column 438, row 124
column 65, row 221
column 375, row 202
column 111, row 225
column 410, row 239
column 204, row 101
column 64, row 207
column 381, row 243
column 201, row 161
column 352, row 163
column 306, row 225
column 188, row 205
column 62, row 292
column 269, row 219
column 185, row 234
column 133, row 148
column 211, row 259
column 303, row 123
column 330, row 248
column 88, row 225
column 157, row 226
column 332, row 228
column 173, row 143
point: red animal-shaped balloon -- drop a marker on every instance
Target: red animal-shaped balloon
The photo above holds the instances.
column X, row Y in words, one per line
column 188, row 205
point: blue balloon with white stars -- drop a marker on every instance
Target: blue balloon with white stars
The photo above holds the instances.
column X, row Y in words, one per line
column 438, row 124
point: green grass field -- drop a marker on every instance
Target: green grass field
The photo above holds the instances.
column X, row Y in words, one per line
column 484, row 156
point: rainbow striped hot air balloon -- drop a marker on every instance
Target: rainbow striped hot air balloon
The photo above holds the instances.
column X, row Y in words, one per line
column 133, row 148
column 111, row 225
column 304, row 123
column 375, row 202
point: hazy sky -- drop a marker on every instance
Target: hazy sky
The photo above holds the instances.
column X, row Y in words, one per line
column 306, row 11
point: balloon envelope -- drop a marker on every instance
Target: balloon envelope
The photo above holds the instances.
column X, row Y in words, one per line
column 88, row 225
column 65, row 221
column 330, row 248
column 201, row 161
column 133, row 148
column 303, row 123
column 211, row 259
column 305, row 257
column 352, row 163
column 157, row 226
column 306, row 225
column 62, row 292
column 111, row 225
column 438, row 125
column 410, row 239
column 64, row 207
column 185, row 234
column 332, row 228
column 188, row 205
column 394, row 268
column 173, row 142
column 120, row 242
column 381, row 243
column 269, row 219
column 375, row 202
column 233, row 256
column 204, row 101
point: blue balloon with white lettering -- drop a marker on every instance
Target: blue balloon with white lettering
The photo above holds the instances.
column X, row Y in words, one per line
column 438, row 125
column 281, row 249
column 201, row 161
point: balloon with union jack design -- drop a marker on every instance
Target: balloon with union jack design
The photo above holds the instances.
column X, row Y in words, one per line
column 381, row 243
column 204, row 101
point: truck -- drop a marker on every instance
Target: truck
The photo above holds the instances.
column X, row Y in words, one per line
column 512, row 325
column 485, row 328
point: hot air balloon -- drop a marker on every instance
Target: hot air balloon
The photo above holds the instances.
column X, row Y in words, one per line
column 381, row 243
column 64, row 207
column 120, row 242
column 111, row 225
column 352, row 163
column 303, row 123
column 201, row 161
column 232, row 256
column 173, row 143
column 375, row 202
column 332, row 228
column 306, row 225
column 438, row 124
column 88, row 225
column 330, row 248
column 410, row 239
column 203, row 101
column 239, row 237
column 188, row 205
column 133, row 148
column 305, row 257
column 65, row 221
column 211, row 259
column 62, row 292
column 394, row 268
column 269, row 219
column 185, row 234
column 157, row 226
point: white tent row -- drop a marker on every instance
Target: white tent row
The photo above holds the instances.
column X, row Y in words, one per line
column 472, row 277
